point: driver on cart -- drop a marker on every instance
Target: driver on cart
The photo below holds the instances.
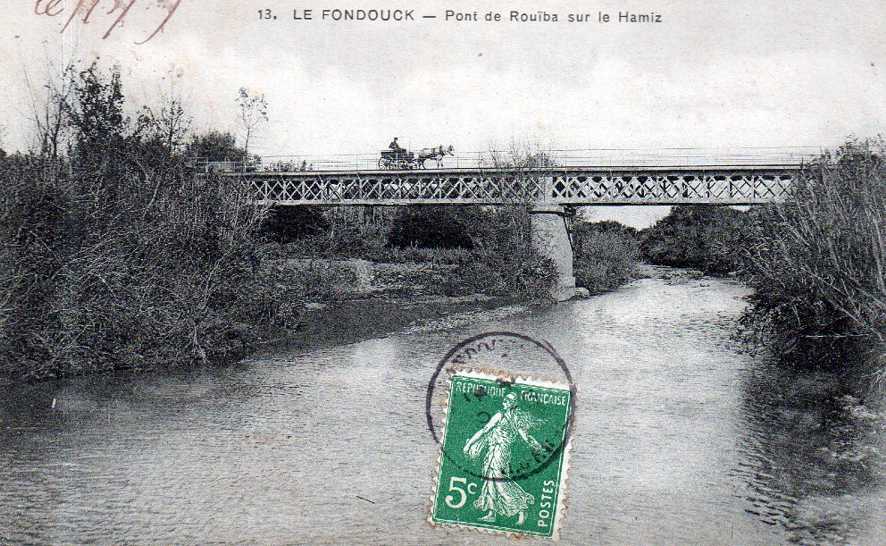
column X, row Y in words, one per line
column 395, row 147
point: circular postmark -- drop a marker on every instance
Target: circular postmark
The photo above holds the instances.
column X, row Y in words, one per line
column 498, row 400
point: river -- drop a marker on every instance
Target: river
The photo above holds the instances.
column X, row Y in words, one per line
column 679, row 438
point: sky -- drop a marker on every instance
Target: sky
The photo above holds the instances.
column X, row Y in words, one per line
column 712, row 74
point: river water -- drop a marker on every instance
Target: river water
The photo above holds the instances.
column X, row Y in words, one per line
column 679, row 438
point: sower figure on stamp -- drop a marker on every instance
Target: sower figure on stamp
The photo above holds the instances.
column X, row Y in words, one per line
column 500, row 495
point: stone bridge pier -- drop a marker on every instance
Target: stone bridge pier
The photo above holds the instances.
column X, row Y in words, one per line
column 550, row 238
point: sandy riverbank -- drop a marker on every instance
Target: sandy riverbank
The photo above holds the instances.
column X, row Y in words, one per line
column 379, row 315
column 350, row 321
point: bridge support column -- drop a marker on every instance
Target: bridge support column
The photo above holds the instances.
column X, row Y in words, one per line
column 550, row 238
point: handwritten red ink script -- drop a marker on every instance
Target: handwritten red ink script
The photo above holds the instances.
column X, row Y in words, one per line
column 114, row 10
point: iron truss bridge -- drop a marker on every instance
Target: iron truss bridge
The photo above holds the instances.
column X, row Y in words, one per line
column 575, row 186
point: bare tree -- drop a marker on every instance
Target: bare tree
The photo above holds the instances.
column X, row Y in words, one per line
column 48, row 110
column 168, row 124
column 253, row 113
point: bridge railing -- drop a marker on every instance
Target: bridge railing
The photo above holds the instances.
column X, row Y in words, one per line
column 598, row 157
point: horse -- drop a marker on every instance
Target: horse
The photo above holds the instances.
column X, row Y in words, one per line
column 437, row 153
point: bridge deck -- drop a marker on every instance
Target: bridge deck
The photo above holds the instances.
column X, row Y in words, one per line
column 574, row 185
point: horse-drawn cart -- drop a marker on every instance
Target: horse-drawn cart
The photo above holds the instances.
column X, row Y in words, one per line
column 405, row 160
column 398, row 159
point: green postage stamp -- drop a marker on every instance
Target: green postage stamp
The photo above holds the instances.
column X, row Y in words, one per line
column 504, row 454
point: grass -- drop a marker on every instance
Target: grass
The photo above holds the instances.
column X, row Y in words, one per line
column 817, row 263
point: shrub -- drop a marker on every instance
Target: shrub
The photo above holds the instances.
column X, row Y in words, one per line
column 817, row 262
column 604, row 226
column 343, row 241
column 315, row 280
column 287, row 224
column 433, row 227
column 503, row 261
column 698, row 236
column 216, row 146
column 526, row 276
column 177, row 279
column 604, row 258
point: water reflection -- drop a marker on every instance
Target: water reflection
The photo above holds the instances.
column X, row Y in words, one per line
column 811, row 455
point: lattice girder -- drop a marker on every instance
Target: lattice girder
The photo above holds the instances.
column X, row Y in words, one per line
column 572, row 186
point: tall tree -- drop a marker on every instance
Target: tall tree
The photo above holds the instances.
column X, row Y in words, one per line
column 96, row 113
column 104, row 148
column 253, row 113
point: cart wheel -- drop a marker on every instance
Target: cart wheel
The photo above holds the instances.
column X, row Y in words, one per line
column 381, row 163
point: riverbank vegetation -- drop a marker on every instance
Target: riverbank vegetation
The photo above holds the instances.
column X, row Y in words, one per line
column 486, row 250
column 703, row 237
column 606, row 255
column 817, row 263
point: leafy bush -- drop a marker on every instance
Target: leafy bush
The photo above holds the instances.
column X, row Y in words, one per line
column 433, row 227
column 699, row 236
column 215, row 146
column 605, row 255
column 343, row 241
column 817, row 262
column 605, row 226
column 287, row 224
column 526, row 276
column 503, row 261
